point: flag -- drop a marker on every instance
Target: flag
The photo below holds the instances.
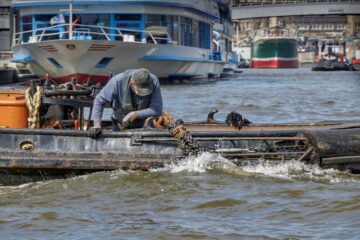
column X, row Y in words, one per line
column 58, row 19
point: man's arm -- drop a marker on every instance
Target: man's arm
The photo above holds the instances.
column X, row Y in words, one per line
column 106, row 95
column 156, row 105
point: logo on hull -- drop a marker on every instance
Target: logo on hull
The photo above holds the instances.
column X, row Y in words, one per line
column 70, row 46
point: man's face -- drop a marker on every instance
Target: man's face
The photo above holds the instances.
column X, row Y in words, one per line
column 133, row 86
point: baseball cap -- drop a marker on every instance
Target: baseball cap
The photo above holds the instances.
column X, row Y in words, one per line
column 143, row 82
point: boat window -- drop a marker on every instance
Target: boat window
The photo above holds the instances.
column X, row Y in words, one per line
column 104, row 62
column 157, row 25
column 26, row 25
column 128, row 17
column 204, row 35
column 186, row 31
column 128, row 25
column 56, row 64
column 174, row 29
column 133, row 23
column 44, row 18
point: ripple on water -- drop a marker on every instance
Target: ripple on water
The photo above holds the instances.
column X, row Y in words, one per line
column 228, row 202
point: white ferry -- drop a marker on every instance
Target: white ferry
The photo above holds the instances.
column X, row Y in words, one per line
column 173, row 39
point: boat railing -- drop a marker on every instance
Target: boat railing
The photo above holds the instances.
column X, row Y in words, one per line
column 91, row 32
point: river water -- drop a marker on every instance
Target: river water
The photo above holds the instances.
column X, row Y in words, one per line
column 207, row 197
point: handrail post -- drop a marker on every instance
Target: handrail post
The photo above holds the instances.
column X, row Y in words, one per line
column 154, row 40
column 71, row 21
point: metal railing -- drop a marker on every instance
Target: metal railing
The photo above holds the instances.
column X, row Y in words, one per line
column 291, row 33
column 91, row 32
column 238, row 3
column 6, row 55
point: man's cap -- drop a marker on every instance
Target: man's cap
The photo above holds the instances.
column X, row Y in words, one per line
column 143, row 82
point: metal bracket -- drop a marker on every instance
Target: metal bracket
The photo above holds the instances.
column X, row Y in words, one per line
column 136, row 140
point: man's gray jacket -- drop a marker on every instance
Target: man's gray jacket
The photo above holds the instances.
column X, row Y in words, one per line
column 113, row 93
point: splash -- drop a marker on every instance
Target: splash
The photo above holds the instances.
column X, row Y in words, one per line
column 288, row 170
column 200, row 164
column 295, row 170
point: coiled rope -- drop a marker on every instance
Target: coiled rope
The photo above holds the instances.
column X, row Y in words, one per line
column 33, row 104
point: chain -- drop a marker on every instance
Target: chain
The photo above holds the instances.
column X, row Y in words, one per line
column 183, row 137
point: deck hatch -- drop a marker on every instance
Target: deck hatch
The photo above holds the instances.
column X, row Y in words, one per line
column 55, row 63
column 104, row 62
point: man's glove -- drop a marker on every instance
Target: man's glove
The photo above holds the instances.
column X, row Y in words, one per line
column 95, row 132
column 129, row 118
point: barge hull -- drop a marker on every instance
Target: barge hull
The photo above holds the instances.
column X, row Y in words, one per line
column 38, row 154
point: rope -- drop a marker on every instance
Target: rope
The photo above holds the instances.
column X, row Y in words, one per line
column 164, row 120
column 33, row 104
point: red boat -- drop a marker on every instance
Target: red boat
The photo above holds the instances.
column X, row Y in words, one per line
column 356, row 64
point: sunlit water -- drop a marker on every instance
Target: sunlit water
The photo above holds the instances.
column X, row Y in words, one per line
column 208, row 197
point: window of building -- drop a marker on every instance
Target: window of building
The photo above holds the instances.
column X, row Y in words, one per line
column 340, row 26
column 328, row 26
column 304, row 26
column 316, row 27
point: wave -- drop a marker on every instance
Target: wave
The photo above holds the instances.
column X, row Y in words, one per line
column 288, row 170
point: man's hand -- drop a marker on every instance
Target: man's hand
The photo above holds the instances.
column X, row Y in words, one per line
column 129, row 118
column 95, row 132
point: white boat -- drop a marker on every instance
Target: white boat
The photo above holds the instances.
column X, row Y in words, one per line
column 172, row 39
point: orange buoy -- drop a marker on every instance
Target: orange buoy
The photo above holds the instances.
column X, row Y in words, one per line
column 13, row 110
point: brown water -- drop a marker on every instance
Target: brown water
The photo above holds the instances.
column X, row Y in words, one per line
column 207, row 197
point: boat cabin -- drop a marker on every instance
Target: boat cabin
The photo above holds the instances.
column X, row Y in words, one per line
column 169, row 22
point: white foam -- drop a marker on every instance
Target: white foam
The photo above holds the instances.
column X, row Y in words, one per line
column 202, row 163
column 295, row 170
column 288, row 170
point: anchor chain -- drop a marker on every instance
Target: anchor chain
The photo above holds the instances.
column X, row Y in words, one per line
column 184, row 138
column 236, row 120
column 33, row 104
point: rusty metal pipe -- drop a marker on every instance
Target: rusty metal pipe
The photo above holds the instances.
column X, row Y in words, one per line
column 50, row 93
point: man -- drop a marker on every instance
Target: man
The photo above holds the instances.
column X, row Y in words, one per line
column 134, row 96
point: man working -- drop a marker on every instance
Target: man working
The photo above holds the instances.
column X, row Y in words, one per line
column 134, row 96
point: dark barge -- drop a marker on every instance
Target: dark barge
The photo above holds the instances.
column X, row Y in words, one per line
column 37, row 145
column 40, row 154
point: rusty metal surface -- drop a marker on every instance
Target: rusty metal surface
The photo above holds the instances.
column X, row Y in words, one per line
column 269, row 127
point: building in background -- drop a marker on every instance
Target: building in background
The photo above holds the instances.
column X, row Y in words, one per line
column 5, row 32
column 314, row 18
